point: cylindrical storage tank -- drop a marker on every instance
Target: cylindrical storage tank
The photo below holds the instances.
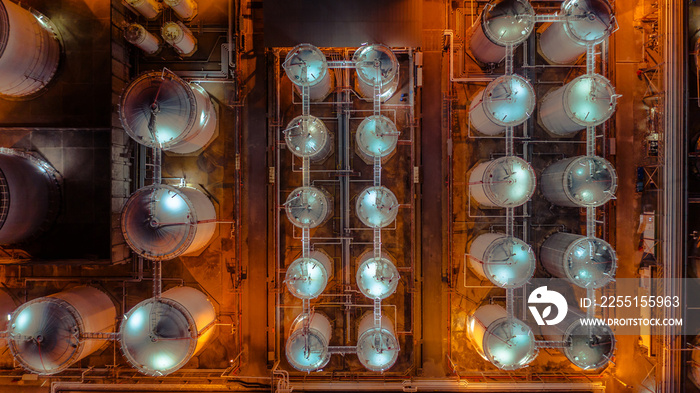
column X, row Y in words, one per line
column 179, row 37
column 377, row 278
column 502, row 22
column 184, row 9
column 150, row 9
column 158, row 109
column 45, row 335
column 506, row 261
column 307, row 136
column 158, row 336
column 377, row 206
column 307, row 345
column 588, row 100
column 29, row 51
column 308, row 207
column 375, row 65
column 306, row 65
column 587, row 347
column 377, row 136
column 377, row 347
column 306, row 278
column 508, row 343
column 585, row 22
column 160, row 222
column 588, row 262
column 137, row 35
column 504, row 182
column 29, row 192
column 507, row 101
column 583, row 181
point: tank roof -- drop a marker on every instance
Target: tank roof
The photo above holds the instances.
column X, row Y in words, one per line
column 306, row 65
column 367, row 58
column 508, row 21
column 377, row 349
column 306, row 135
column 509, row 100
column 590, row 181
column 306, row 278
column 135, row 33
column 377, row 278
column 588, row 21
column 509, row 181
column 377, row 206
column 590, row 262
column 589, row 100
column 589, row 347
column 377, row 136
column 509, row 344
column 307, row 207
column 509, row 262
column 307, row 350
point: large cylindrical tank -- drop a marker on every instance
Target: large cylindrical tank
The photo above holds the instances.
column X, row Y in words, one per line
column 29, row 51
column 585, row 22
column 506, row 261
column 307, row 136
column 508, row 343
column 377, row 136
column 161, row 222
column 588, row 100
column 45, row 333
column 184, row 9
column 502, row 22
column 377, row 347
column 587, row 347
column 139, row 36
column 307, row 345
column 158, row 336
column 150, row 9
column 588, row 262
column 160, row 109
column 306, row 278
column 180, row 37
column 503, row 182
column 306, row 65
column 583, row 181
column 29, row 192
column 377, row 206
column 308, row 207
column 507, row 101
column 376, row 64
column 377, row 278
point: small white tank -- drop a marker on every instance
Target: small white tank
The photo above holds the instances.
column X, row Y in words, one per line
column 377, row 136
column 307, row 136
column 507, row 343
column 377, row 206
column 308, row 207
column 502, row 22
column 508, row 100
column 588, row 262
column 150, row 9
column 377, row 278
column 503, row 182
column 307, row 348
column 506, row 261
column 588, row 100
column 583, row 181
column 306, row 278
column 306, row 65
column 184, row 9
column 376, row 62
column 377, row 348
column 137, row 35
column 179, row 37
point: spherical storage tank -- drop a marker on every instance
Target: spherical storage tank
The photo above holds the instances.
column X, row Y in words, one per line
column 306, row 65
column 139, row 36
column 502, row 22
column 160, row 335
column 377, row 347
column 376, row 64
column 306, row 278
column 307, row 136
column 307, row 345
column 588, row 100
column 583, row 181
column 377, row 206
column 506, row 261
column 158, row 109
column 588, row 262
column 586, row 22
column 507, row 101
column 308, row 207
column 29, row 51
column 503, row 182
column 507, row 343
column 377, row 278
column 377, row 136
column 161, row 222
column 45, row 334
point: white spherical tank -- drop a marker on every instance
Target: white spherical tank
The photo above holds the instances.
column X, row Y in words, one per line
column 307, row 136
column 308, row 207
column 375, row 65
column 585, row 22
column 45, row 333
column 507, row 101
column 507, row 343
column 158, row 336
column 158, row 109
column 587, row 347
column 307, row 345
column 184, row 9
column 583, row 181
column 503, row 182
column 588, row 262
column 160, row 222
column 306, row 65
column 377, row 347
column 29, row 51
column 137, row 35
column 502, row 22
column 377, row 136
column 377, row 278
column 588, row 100
column 506, row 261
column 306, row 278
column 377, row 206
